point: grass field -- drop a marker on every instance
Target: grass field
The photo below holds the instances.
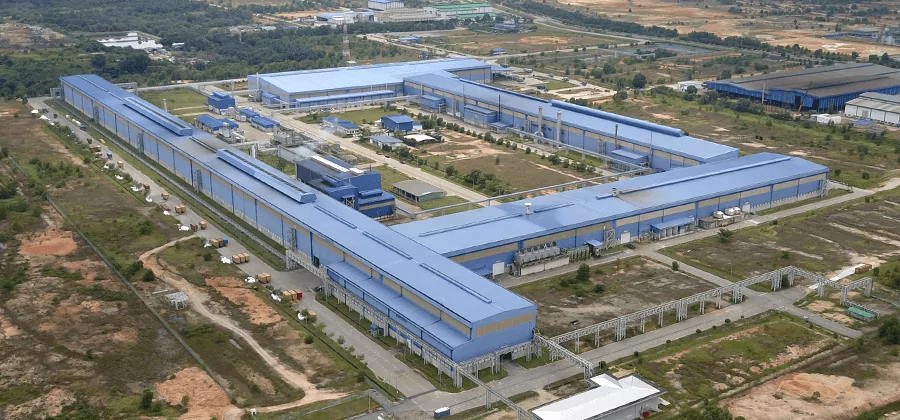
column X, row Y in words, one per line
column 706, row 365
column 862, row 162
column 543, row 39
column 557, row 84
column 824, row 242
column 364, row 116
column 443, row 201
column 178, row 101
column 343, row 410
column 390, row 176
column 628, row 285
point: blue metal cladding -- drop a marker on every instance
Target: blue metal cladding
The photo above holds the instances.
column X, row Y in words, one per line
column 222, row 191
column 438, row 344
column 325, row 255
column 789, row 192
column 167, row 156
column 151, row 146
column 402, row 320
column 183, row 166
column 375, row 212
column 644, row 224
column 268, row 218
column 808, row 187
column 377, row 303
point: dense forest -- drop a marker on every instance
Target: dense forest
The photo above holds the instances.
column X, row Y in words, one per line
column 211, row 51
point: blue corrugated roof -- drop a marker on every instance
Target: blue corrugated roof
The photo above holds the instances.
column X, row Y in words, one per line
column 681, row 221
column 348, row 125
column 386, row 139
column 398, row 119
column 640, row 132
column 209, row 122
column 629, row 154
column 482, row 228
column 362, row 76
column 480, row 110
column 463, row 293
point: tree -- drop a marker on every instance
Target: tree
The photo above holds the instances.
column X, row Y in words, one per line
column 583, row 275
column 691, row 90
column 146, row 400
column 149, row 276
column 725, row 235
column 674, row 265
column 890, row 331
column 450, row 170
column 639, row 81
column 726, row 74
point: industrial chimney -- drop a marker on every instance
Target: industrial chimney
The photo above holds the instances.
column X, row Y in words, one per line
column 527, row 208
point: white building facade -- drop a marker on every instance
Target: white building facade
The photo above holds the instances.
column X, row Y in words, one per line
column 876, row 107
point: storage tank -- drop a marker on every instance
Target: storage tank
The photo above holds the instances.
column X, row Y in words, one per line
column 719, row 215
column 729, row 211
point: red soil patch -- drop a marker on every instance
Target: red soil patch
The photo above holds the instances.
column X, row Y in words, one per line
column 54, row 243
column 259, row 312
column 206, row 398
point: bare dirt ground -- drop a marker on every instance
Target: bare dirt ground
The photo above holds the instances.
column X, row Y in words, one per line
column 258, row 311
column 200, row 303
column 633, row 285
column 840, row 397
column 298, row 15
column 206, row 398
column 17, row 37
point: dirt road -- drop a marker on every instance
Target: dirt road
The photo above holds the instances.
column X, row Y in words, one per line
column 198, row 304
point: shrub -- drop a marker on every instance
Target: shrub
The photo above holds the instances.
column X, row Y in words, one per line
column 308, row 339
column 727, row 320
column 149, row 276
column 675, row 265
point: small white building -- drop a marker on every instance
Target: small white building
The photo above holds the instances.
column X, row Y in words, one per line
column 683, row 86
column 420, row 139
column 627, row 398
column 875, row 106
column 827, row 118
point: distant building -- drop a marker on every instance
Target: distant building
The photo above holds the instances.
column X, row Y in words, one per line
column 461, row 11
column 498, row 51
column 405, row 15
column 397, row 123
column 627, row 398
column 221, row 126
column 875, row 106
column 890, row 35
column 865, row 32
column 384, row 4
column 417, row 191
column 410, row 39
column 683, row 86
column 265, row 124
column 382, row 141
column 505, row 27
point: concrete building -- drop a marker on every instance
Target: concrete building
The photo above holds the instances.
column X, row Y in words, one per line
column 661, row 147
column 417, row 191
column 683, row 86
column 461, row 11
column 397, row 123
column 356, row 188
column 385, row 4
column 821, row 89
column 419, row 297
column 219, row 102
column 627, row 398
column 498, row 51
column 382, row 141
column 348, row 84
column 875, row 106
column 656, row 206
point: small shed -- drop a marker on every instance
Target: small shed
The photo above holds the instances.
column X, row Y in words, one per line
column 417, row 191
column 498, row 51
column 418, row 139
column 861, row 314
column 382, row 141
column 397, row 123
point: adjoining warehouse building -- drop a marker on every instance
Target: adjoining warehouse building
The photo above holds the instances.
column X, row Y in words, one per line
column 220, row 102
column 658, row 146
column 825, row 88
column 221, row 126
column 461, row 11
column 627, row 398
column 876, row 107
column 397, row 123
column 418, row 297
column 356, row 188
column 382, row 141
column 350, row 84
column 417, row 191
column 385, row 4
column 341, row 126
column 499, row 238
column 405, row 15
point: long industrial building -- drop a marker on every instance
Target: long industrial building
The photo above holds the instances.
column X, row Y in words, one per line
column 443, row 304
column 663, row 204
column 876, row 107
column 352, row 84
column 451, row 86
column 825, row 88
column 423, row 278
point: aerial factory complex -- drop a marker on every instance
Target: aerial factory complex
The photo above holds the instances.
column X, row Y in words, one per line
column 423, row 281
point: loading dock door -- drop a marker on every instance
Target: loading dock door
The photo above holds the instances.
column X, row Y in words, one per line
column 625, row 237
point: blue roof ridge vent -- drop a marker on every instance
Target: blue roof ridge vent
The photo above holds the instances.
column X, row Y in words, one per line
column 385, row 244
column 706, row 175
column 335, row 217
column 453, row 281
column 675, row 132
column 470, row 224
column 508, row 92
column 169, row 121
column 260, row 173
column 553, row 207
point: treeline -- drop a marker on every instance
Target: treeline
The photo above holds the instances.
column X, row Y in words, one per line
column 589, row 21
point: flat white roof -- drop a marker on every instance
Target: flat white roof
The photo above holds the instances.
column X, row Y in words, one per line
column 610, row 395
column 418, row 137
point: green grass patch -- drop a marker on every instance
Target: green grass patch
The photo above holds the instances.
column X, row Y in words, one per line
column 390, row 176
column 279, row 163
column 442, row 202
column 832, row 193
column 196, row 263
column 61, row 272
column 175, row 99
column 99, row 292
column 365, row 116
column 444, row 382
column 557, row 84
